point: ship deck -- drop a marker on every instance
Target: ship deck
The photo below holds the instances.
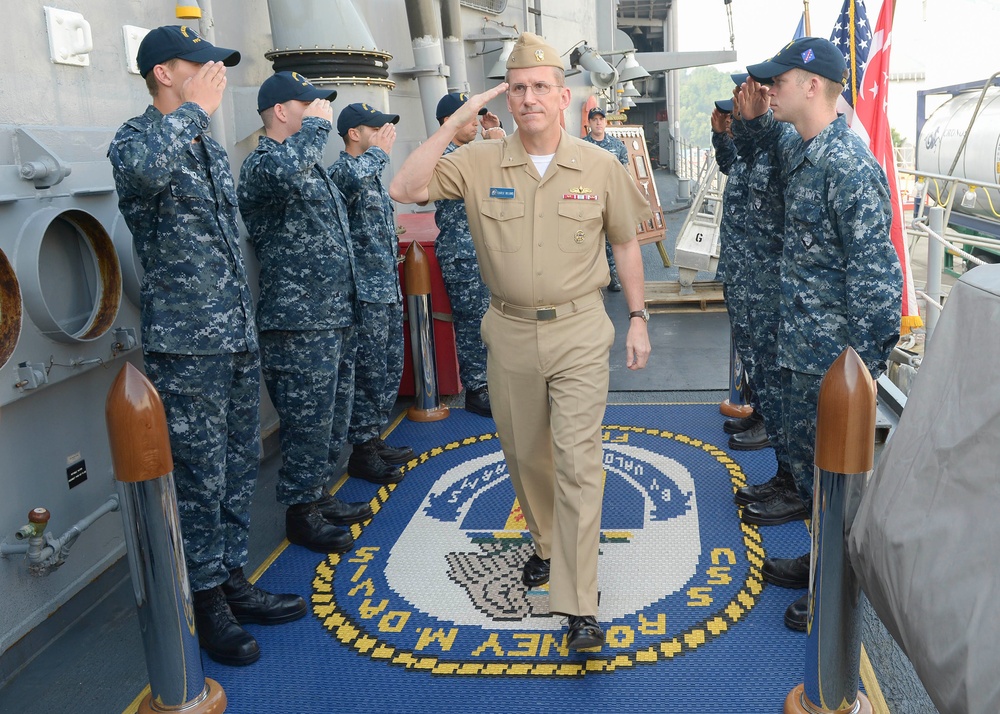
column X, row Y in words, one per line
column 89, row 659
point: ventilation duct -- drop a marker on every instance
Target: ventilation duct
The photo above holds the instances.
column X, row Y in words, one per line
column 326, row 41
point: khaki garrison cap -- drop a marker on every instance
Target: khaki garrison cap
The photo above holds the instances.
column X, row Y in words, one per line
column 530, row 50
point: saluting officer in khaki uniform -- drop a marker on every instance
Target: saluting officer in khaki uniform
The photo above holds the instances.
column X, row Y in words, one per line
column 539, row 203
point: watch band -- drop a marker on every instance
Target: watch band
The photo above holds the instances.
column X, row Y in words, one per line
column 644, row 314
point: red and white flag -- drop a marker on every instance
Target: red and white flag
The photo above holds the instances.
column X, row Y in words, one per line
column 872, row 124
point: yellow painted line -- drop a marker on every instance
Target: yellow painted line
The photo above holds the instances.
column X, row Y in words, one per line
column 874, row 692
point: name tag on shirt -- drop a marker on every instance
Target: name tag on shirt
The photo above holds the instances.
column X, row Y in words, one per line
column 497, row 192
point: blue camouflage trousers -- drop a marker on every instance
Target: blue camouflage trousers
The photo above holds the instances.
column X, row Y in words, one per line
column 763, row 318
column 378, row 369
column 470, row 299
column 799, row 399
column 212, row 404
column 301, row 370
column 735, row 295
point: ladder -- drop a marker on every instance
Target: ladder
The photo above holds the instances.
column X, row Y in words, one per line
column 697, row 246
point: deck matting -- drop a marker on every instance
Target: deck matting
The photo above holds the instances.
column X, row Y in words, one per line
column 427, row 613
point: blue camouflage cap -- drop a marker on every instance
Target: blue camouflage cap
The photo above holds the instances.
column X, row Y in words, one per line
column 739, row 78
column 725, row 106
column 450, row 103
column 179, row 42
column 813, row 54
column 284, row 87
column 354, row 115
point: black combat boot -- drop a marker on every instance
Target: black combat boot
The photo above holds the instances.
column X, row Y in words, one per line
column 305, row 526
column 394, row 455
column 342, row 513
column 219, row 634
column 781, row 481
column 365, row 463
column 251, row 605
column 787, row 572
column 738, row 425
column 750, row 440
column 477, row 401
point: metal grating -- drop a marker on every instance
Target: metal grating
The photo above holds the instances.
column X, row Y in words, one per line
column 494, row 7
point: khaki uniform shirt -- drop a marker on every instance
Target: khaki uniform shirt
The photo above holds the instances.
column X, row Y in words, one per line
column 540, row 241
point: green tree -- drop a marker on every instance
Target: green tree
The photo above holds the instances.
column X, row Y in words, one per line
column 699, row 90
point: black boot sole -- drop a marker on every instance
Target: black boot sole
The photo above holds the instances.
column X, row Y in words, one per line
column 752, row 446
column 758, row 521
column 254, row 620
column 795, row 625
column 347, row 521
column 318, row 548
column 784, row 582
column 231, row 661
column 381, row 481
column 743, row 501
column 396, row 460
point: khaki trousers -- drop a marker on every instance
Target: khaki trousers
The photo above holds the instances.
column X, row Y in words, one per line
column 548, row 383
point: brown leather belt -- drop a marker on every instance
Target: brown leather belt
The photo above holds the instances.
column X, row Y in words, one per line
column 546, row 312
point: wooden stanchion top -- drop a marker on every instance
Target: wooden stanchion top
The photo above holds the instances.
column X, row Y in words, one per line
column 137, row 428
column 417, row 271
column 845, row 417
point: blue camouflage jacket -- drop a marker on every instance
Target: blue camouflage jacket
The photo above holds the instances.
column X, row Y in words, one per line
column 176, row 193
column 373, row 225
column 841, row 280
column 454, row 241
column 732, row 265
column 613, row 144
column 299, row 228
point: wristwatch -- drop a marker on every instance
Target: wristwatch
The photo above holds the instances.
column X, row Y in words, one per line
column 643, row 313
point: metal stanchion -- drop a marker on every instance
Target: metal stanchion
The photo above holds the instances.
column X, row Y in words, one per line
column 845, row 448
column 735, row 406
column 935, row 264
column 417, row 276
column 140, row 452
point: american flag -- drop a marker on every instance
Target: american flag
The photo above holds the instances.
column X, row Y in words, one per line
column 872, row 124
column 853, row 36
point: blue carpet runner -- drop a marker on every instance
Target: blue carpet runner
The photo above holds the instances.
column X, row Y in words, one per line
column 428, row 614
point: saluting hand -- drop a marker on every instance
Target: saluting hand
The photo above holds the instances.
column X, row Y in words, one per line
column 470, row 110
column 719, row 121
column 205, row 88
column 319, row 108
column 752, row 100
column 385, row 137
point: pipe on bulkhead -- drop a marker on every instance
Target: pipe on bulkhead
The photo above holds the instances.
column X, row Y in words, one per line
column 428, row 59
column 43, row 551
column 454, row 57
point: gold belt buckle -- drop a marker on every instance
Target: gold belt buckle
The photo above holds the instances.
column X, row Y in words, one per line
column 546, row 313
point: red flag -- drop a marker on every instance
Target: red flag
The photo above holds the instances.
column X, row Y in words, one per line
column 872, row 124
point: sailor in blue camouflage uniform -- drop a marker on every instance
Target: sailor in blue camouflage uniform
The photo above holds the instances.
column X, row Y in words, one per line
column 298, row 224
column 456, row 254
column 760, row 216
column 841, row 282
column 176, row 193
column 597, row 122
column 368, row 136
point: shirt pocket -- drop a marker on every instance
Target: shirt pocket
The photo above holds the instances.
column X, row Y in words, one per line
column 502, row 224
column 805, row 223
column 581, row 224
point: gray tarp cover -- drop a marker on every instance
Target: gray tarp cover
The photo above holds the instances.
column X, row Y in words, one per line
column 926, row 541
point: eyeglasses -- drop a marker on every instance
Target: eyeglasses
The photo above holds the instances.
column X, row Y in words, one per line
column 537, row 88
